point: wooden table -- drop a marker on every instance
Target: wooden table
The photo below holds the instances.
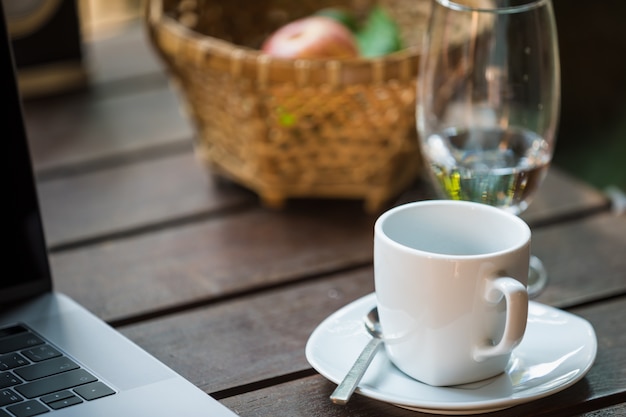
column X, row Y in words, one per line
column 227, row 292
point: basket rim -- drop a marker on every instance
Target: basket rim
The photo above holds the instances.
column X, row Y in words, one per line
column 242, row 59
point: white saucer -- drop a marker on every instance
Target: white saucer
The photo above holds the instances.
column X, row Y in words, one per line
column 557, row 351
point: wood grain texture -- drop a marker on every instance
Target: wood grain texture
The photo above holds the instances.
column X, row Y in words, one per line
column 616, row 411
column 562, row 195
column 585, row 260
column 132, row 197
column 215, row 257
column 74, row 129
column 252, row 338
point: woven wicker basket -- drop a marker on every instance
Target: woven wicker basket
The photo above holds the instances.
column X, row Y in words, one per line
column 293, row 128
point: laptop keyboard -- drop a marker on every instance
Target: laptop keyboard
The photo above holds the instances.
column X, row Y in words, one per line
column 36, row 377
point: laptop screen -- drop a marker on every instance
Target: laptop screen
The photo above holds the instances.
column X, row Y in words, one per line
column 25, row 263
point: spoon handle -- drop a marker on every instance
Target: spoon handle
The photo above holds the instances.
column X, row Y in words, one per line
column 344, row 390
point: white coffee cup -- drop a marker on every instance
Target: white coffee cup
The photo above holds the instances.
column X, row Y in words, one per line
column 450, row 282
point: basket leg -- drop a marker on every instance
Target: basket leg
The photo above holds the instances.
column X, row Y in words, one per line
column 272, row 200
column 373, row 204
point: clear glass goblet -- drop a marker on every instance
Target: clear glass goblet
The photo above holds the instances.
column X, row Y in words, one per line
column 489, row 101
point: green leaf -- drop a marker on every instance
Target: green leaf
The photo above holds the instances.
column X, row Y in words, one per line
column 285, row 118
column 379, row 35
column 343, row 16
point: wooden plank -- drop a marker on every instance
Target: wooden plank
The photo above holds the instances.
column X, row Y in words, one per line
column 308, row 397
column 133, row 197
column 562, row 195
column 213, row 258
column 277, row 323
column 250, row 338
column 76, row 129
column 128, row 105
column 584, row 259
column 256, row 248
column 616, row 411
column 604, row 385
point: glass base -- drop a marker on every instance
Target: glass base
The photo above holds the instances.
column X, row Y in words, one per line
column 537, row 277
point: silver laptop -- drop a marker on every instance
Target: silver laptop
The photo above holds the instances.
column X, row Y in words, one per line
column 56, row 358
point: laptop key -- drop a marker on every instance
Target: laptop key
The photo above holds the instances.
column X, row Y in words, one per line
column 40, row 353
column 55, row 383
column 11, row 330
column 94, row 390
column 8, row 380
column 28, row 409
column 46, row 368
column 12, row 360
column 65, row 402
column 19, row 341
column 57, row 396
column 7, row 397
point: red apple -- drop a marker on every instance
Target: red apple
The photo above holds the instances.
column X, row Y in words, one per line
column 312, row 37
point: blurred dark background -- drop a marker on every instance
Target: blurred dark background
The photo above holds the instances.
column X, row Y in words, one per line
column 591, row 141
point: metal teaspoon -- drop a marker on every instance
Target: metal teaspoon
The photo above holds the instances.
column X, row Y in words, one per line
column 344, row 390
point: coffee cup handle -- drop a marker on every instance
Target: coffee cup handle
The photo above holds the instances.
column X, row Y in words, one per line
column 516, row 297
